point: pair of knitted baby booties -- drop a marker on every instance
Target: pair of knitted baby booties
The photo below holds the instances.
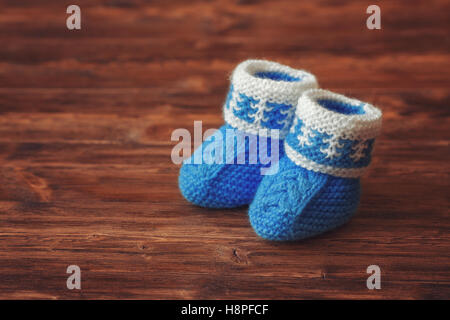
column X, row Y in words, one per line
column 294, row 152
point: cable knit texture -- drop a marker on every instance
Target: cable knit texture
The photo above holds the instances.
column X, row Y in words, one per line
column 225, row 185
column 261, row 100
column 317, row 187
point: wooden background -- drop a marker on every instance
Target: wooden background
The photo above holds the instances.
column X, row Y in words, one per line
column 85, row 170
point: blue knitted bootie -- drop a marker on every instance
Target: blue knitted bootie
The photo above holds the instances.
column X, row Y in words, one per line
column 317, row 187
column 225, row 170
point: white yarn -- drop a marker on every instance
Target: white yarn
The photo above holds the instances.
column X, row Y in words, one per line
column 358, row 127
column 345, row 126
column 304, row 162
column 252, row 128
column 244, row 81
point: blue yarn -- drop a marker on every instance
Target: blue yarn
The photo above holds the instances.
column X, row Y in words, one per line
column 317, row 142
column 341, row 107
column 224, row 185
column 253, row 104
column 277, row 117
column 245, row 109
column 276, row 75
column 297, row 203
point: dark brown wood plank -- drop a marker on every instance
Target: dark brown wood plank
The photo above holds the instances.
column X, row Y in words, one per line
column 85, row 170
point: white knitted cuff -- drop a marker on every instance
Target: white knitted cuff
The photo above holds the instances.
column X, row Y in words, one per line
column 333, row 134
column 263, row 95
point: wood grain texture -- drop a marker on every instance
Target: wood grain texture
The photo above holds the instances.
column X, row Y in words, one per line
column 85, row 170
